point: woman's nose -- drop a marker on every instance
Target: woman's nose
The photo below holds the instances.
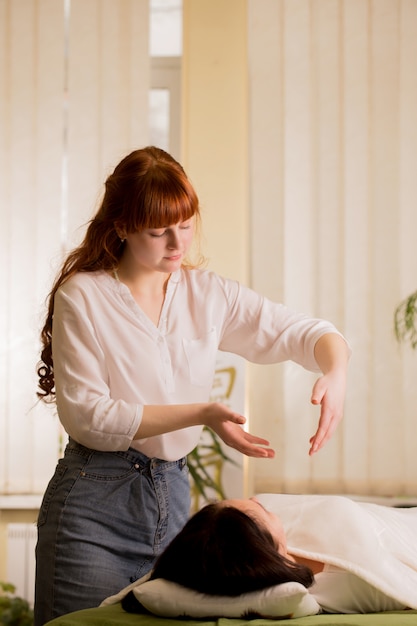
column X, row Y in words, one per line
column 174, row 240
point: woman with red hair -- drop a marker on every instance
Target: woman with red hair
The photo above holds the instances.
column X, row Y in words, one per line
column 128, row 353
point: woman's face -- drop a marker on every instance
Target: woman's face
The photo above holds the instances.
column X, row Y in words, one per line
column 160, row 249
column 254, row 509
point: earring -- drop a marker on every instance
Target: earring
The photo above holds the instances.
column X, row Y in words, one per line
column 122, row 239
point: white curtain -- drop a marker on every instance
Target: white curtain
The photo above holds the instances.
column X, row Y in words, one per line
column 333, row 133
column 74, row 78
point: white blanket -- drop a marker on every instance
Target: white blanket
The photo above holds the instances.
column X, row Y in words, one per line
column 377, row 543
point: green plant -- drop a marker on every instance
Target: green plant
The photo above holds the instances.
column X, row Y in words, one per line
column 14, row 611
column 205, row 464
column 405, row 320
column 207, row 460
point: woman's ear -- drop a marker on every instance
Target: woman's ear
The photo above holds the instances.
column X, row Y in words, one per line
column 120, row 230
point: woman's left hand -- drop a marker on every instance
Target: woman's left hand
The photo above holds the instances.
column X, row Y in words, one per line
column 329, row 392
column 332, row 355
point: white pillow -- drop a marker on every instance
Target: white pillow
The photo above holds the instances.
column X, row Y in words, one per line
column 167, row 599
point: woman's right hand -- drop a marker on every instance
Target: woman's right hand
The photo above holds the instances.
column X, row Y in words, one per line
column 227, row 424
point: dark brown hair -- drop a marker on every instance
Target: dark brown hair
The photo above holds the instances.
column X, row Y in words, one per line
column 223, row 551
column 148, row 189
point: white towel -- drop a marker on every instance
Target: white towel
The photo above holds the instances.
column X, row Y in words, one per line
column 377, row 543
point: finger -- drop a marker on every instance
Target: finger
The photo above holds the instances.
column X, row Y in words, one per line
column 254, row 439
column 317, row 443
column 315, row 446
column 323, row 432
column 318, row 440
column 260, row 447
column 318, row 392
column 255, row 446
column 236, row 418
column 256, row 452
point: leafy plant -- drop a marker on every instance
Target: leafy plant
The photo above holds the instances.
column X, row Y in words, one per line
column 207, row 460
column 205, row 464
column 14, row 611
column 405, row 320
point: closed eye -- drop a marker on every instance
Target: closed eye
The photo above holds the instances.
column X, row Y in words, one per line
column 158, row 233
column 187, row 224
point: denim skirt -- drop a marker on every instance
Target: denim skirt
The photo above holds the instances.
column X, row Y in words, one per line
column 104, row 519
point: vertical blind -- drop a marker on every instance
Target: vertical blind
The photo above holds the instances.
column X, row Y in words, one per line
column 333, row 153
column 74, row 78
column 333, row 133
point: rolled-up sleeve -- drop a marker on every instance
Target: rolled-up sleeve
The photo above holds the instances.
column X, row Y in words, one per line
column 267, row 332
column 87, row 411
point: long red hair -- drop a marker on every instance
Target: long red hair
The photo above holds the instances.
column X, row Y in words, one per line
column 148, row 189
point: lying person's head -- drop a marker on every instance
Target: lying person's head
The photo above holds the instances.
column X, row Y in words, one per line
column 229, row 548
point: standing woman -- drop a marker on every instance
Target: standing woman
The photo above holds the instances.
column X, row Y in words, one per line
column 129, row 354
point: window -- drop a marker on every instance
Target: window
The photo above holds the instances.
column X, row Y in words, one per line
column 165, row 28
column 165, row 49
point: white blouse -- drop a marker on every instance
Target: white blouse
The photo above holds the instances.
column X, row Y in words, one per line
column 110, row 359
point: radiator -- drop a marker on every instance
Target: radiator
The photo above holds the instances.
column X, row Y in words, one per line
column 21, row 541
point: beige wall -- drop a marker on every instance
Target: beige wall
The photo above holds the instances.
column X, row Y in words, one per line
column 215, row 147
column 215, row 127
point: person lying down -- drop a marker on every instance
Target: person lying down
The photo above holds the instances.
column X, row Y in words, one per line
column 353, row 557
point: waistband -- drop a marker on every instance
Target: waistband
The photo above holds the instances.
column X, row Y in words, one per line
column 132, row 455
